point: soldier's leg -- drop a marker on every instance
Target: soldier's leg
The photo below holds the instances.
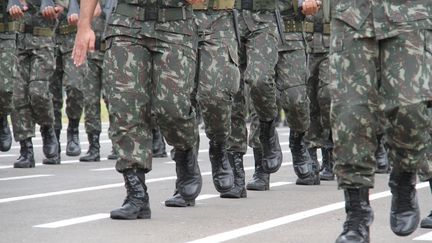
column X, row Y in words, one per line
column 126, row 63
column 425, row 174
column 22, row 119
column 92, row 88
column 324, row 101
column 42, row 68
column 8, row 75
column 408, row 137
column 56, row 89
column 291, row 72
column 262, row 54
column 73, row 79
column 215, row 92
column 354, row 128
column 173, row 84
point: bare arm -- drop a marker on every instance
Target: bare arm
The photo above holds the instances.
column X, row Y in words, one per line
column 85, row 38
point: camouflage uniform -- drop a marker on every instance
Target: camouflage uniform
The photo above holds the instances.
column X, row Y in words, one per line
column 150, row 63
column 356, row 56
column 218, row 82
column 8, row 64
column 258, row 57
column 393, row 37
column 318, row 42
column 32, row 99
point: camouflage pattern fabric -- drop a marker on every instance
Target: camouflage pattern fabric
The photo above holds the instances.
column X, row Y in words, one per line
column 93, row 84
column 8, row 71
column 218, row 75
column 32, row 99
column 56, row 89
column 148, row 60
column 257, row 61
column 360, row 45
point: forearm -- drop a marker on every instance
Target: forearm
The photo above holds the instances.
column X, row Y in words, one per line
column 86, row 13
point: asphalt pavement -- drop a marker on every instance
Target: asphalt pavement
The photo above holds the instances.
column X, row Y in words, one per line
column 71, row 203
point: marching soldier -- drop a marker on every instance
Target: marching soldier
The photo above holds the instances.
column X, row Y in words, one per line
column 157, row 40
column 32, row 98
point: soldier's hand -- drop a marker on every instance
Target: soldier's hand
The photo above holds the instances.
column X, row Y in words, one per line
column 195, row 1
column 16, row 11
column 52, row 13
column 310, row 7
column 73, row 19
column 84, row 42
column 98, row 10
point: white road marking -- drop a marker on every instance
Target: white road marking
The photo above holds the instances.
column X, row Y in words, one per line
column 95, row 188
column 22, row 177
column 8, row 155
column 62, row 144
column 68, row 222
column 280, row 183
column 103, row 169
column 251, row 229
column 425, row 237
column 62, row 163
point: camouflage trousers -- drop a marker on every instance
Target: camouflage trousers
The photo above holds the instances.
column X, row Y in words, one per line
column 8, row 72
column 32, row 99
column 356, row 102
column 291, row 71
column 145, row 72
column 258, row 58
column 218, row 73
column 319, row 131
column 92, row 88
column 73, row 83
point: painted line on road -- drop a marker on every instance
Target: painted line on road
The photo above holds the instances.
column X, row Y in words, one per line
column 103, row 169
column 425, row 237
column 68, row 222
column 62, row 144
column 8, row 155
column 62, row 163
column 266, row 225
column 23, row 177
column 281, row 183
column 95, row 188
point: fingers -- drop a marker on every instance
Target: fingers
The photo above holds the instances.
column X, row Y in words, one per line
column 16, row 12
column 310, row 7
column 73, row 19
column 49, row 13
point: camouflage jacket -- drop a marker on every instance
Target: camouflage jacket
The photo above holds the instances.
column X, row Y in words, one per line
column 34, row 17
column 382, row 18
column 5, row 18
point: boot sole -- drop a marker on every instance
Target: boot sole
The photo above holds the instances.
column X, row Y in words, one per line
column 243, row 194
column 180, row 205
column 263, row 188
column 85, row 160
column 73, row 154
column 24, row 167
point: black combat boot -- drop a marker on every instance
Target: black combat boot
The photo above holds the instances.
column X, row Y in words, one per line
column 136, row 205
column 26, row 159
column 159, row 150
column 304, row 167
column 178, row 201
column 427, row 222
column 189, row 180
column 73, row 143
column 359, row 216
column 327, row 169
column 223, row 177
column 405, row 213
column 56, row 160
column 382, row 162
column 260, row 180
column 93, row 151
column 5, row 135
column 272, row 153
column 239, row 189
column 49, row 140
column 114, row 154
